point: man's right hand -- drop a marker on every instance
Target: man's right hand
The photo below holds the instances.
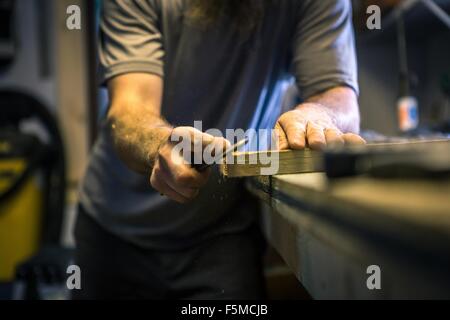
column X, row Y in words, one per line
column 142, row 138
column 173, row 174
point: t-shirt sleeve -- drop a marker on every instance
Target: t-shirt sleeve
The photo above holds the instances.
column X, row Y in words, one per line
column 130, row 38
column 324, row 49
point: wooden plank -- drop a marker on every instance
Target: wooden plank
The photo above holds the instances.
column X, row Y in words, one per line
column 268, row 163
column 432, row 153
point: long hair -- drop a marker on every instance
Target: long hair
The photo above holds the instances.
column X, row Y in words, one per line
column 244, row 15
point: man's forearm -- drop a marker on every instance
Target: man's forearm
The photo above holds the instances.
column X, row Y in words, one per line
column 136, row 126
column 341, row 103
column 137, row 137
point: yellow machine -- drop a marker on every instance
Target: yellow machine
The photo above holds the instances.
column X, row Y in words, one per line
column 32, row 186
column 22, row 204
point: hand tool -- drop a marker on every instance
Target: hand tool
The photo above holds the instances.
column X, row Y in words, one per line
column 202, row 167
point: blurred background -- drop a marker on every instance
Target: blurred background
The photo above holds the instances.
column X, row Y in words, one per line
column 50, row 105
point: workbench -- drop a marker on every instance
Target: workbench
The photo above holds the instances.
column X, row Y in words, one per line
column 330, row 232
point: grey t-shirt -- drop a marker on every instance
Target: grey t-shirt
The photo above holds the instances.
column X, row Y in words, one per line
column 216, row 76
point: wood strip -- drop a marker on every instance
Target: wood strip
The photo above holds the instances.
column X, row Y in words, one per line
column 268, row 163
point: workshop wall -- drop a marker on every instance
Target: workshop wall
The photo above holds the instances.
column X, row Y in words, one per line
column 428, row 46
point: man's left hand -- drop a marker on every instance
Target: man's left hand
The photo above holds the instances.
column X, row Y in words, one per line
column 312, row 125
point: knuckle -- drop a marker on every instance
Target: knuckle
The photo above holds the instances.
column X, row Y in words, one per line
column 296, row 144
column 285, row 117
column 154, row 182
column 156, row 172
column 166, row 157
column 185, row 178
column 163, row 152
column 181, row 130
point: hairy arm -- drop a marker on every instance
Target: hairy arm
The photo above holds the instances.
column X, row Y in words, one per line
column 134, row 119
column 142, row 138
